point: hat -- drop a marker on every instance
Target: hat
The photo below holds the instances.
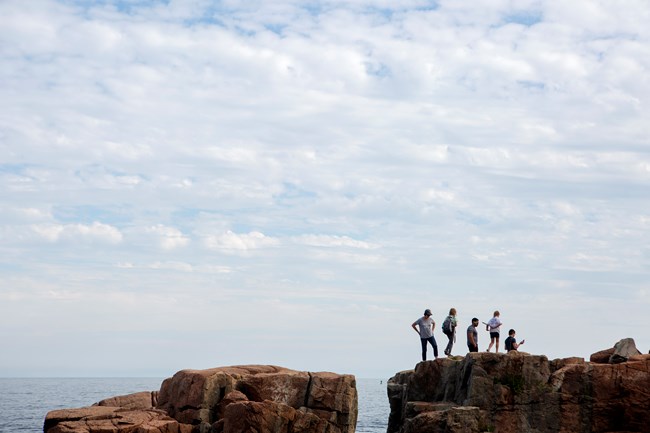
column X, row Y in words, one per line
column 427, row 312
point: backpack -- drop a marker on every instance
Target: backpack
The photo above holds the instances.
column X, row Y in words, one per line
column 446, row 326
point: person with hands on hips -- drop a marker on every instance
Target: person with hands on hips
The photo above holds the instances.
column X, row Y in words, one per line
column 426, row 325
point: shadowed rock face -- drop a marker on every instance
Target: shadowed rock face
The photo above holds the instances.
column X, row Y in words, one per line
column 519, row 393
column 235, row 399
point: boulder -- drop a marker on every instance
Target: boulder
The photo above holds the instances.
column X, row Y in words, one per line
column 623, row 350
column 138, row 400
column 190, row 395
column 557, row 364
column 194, row 396
column 256, row 398
column 519, row 392
column 271, row 417
column 101, row 419
column 602, row 356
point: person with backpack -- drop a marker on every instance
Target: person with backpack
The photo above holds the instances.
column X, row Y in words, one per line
column 494, row 327
column 449, row 329
column 426, row 325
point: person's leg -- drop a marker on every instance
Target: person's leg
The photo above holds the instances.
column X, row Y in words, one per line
column 450, row 344
column 494, row 336
column 432, row 340
column 424, row 348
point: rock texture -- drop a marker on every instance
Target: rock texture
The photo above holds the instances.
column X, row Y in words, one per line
column 139, row 400
column 251, row 398
column 519, row 393
column 107, row 419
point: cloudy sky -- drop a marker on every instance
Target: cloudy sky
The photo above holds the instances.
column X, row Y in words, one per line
column 194, row 183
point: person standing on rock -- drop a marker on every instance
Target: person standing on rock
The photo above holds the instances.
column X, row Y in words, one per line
column 426, row 325
column 494, row 326
column 511, row 342
column 472, row 336
column 449, row 329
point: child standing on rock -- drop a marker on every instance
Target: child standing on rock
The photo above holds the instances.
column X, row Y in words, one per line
column 494, row 326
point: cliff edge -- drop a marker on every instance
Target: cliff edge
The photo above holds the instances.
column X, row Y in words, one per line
column 522, row 393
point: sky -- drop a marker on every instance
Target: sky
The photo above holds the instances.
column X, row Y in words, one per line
column 193, row 183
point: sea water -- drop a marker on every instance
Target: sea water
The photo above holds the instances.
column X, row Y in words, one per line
column 24, row 402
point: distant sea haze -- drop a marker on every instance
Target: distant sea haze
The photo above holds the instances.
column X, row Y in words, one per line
column 25, row 401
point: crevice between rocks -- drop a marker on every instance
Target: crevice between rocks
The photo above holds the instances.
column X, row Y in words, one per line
column 308, row 392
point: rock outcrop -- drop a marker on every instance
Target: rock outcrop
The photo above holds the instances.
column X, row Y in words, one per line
column 251, row 398
column 104, row 419
column 138, row 400
column 523, row 393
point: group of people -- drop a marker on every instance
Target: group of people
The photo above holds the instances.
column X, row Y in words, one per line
column 425, row 325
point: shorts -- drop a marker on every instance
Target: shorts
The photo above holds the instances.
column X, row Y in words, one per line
column 494, row 335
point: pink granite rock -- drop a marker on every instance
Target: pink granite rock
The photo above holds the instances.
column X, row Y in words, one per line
column 138, row 400
column 256, row 398
column 519, row 392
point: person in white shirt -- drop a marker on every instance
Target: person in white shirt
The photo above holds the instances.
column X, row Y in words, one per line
column 494, row 326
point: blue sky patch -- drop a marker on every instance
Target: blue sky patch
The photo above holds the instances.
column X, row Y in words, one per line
column 526, row 18
column 87, row 214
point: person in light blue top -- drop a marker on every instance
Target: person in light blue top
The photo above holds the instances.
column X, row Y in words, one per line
column 449, row 329
column 426, row 325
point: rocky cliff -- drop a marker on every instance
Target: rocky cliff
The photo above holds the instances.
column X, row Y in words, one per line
column 522, row 393
column 252, row 398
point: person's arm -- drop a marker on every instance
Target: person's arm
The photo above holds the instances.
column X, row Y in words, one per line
column 516, row 345
column 416, row 329
column 433, row 326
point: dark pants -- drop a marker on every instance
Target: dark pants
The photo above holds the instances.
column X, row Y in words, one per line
column 424, row 347
column 450, row 344
column 472, row 348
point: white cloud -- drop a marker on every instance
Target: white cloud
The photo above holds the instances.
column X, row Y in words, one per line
column 168, row 238
column 173, row 266
column 239, row 242
column 333, row 241
column 348, row 257
column 95, row 232
column 25, row 214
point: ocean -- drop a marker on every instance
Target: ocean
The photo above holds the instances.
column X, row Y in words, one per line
column 24, row 402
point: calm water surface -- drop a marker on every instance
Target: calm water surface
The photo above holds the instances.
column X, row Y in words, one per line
column 24, row 402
